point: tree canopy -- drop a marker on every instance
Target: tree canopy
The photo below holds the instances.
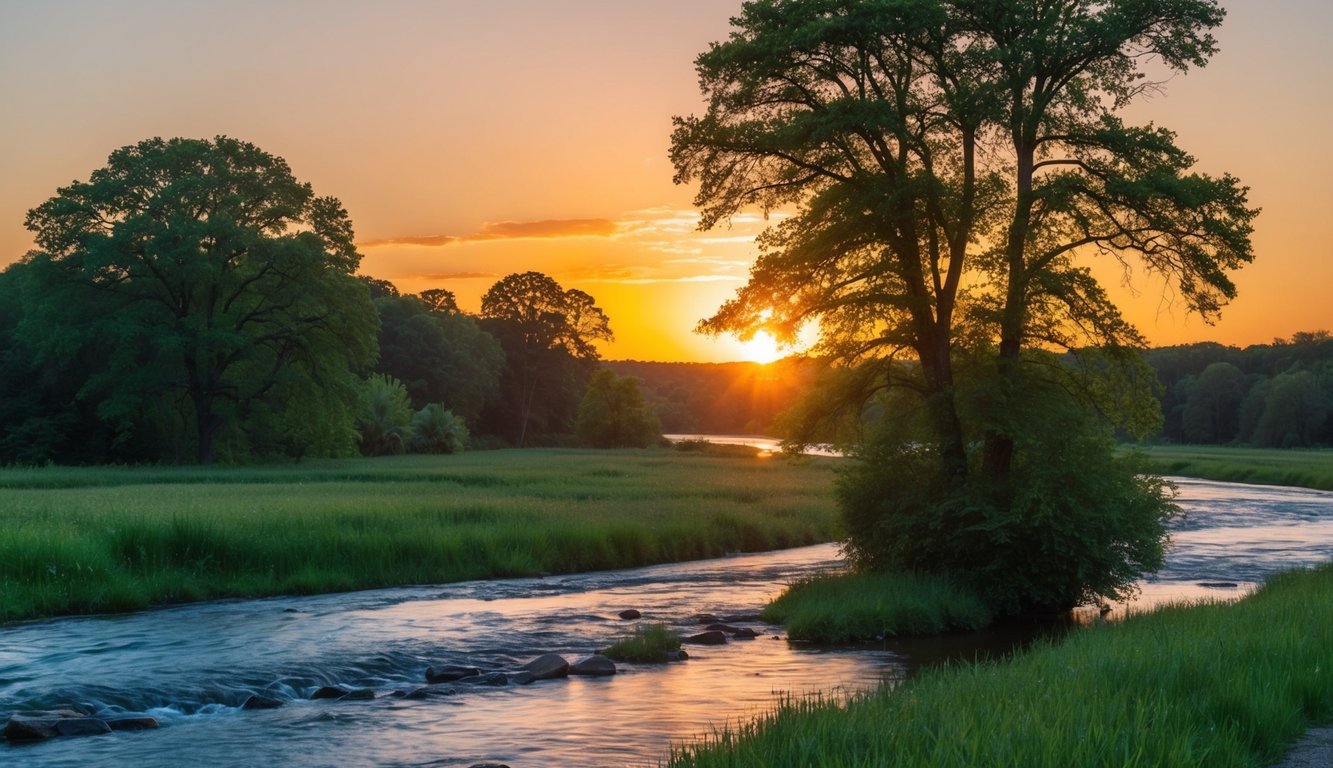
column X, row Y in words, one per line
column 194, row 284
column 948, row 167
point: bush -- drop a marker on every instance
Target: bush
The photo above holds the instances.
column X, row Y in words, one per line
column 384, row 421
column 613, row 414
column 1072, row 521
column 435, row 429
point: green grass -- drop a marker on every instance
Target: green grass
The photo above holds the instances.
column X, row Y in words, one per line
column 1206, row 685
column 118, row 539
column 650, row 643
column 1264, row 466
column 849, row 608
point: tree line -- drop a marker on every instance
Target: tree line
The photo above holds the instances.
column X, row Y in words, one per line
column 193, row 301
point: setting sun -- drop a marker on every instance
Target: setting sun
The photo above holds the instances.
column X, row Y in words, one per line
column 761, row 348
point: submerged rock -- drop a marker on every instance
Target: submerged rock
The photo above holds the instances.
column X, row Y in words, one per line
column 631, row 613
column 449, row 673
column 20, row 728
column 712, row 637
column 739, row 633
column 329, row 692
column 522, row 677
column 677, row 654
column 359, row 694
column 258, row 701
column 132, row 723
column 490, row 678
column 596, row 665
column 428, row 692
column 548, row 666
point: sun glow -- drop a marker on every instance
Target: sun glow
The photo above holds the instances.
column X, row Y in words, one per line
column 761, row 348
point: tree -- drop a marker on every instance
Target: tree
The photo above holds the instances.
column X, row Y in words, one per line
column 196, row 276
column 949, row 164
column 435, row 429
column 1211, row 410
column 613, row 414
column 440, row 301
column 547, row 334
column 440, row 357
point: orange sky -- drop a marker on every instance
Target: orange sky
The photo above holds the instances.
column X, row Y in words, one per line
column 469, row 140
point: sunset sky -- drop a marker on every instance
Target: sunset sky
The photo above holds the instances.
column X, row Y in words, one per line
column 471, row 139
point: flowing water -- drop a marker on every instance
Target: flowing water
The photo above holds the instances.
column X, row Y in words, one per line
column 192, row 666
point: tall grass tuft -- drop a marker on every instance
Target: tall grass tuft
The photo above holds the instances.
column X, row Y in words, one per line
column 856, row 607
column 1204, row 685
column 650, row 643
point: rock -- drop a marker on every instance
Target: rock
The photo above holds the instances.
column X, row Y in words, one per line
column 705, row 618
column 677, row 654
column 258, row 701
column 359, row 694
column 132, row 723
column 490, row 678
column 21, row 728
column 630, row 614
column 521, row 678
column 429, row 692
column 488, row 765
column 740, row 633
column 449, row 673
column 329, row 692
column 82, row 726
column 596, row 665
column 713, row 637
column 548, row 667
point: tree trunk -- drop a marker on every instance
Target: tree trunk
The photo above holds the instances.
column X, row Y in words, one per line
column 206, row 424
column 942, row 406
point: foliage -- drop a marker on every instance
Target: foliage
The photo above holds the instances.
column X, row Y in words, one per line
column 548, row 336
column 442, row 357
column 856, row 607
column 1072, row 522
column 128, row 537
column 614, row 415
column 184, row 284
column 650, row 644
column 436, row 429
column 1266, row 466
column 385, row 417
column 1215, row 685
column 950, row 167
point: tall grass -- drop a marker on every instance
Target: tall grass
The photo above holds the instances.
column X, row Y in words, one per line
column 855, row 607
column 1264, row 466
column 117, row 539
column 1205, row 685
column 650, row 643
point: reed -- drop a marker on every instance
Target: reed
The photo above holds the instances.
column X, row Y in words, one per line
column 1193, row 685
column 118, row 539
column 650, row 643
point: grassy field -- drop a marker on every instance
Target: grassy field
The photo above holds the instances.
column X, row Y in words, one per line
column 1209, row 685
column 117, row 539
column 1265, row 466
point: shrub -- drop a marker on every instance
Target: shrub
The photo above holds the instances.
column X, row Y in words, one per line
column 435, row 429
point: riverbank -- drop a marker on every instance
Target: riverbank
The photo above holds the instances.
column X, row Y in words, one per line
column 100, row 540
column 1263, row 466
column 1205, row 685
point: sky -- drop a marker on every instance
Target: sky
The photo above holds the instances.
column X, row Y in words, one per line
column 470, row 140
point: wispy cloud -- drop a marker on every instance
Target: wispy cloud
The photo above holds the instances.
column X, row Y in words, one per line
column 460, row 276
column 430, row 241
column 509, row 230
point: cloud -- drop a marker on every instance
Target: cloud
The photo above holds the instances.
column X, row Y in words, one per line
column 459, row 276
column 546, row 228
column 430, row 241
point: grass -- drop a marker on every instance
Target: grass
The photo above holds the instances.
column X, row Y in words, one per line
column 1205, row 685
column 1265, row 466
column 853, row 607
column 117, row 539
column 650, row 643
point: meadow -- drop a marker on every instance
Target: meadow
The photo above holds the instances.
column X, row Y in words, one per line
column 1264, row 466
column 1203, row 685
column 112, row 539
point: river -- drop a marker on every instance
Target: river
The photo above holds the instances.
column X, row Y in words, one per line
column 192, row 666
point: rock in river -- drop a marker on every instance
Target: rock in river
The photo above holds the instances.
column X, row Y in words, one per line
column 631, row 613
column 261, row 702
column 712, row 637
column 449, row 673
column 596, row 665
column 548, row 666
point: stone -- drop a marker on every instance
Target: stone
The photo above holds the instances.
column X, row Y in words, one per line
column 740, row 633
column 82, row 726
column 359, row 694
column 713, row 637
column 21, row 728
column 630, row 613
column 329, row 692
column 430, row 691
column 521, row 677
column 596, row 665
column 548, row 666
column 258, row 701
column 488, row 765
column 449, row 673
column 490, row 678
column 677, row 654
column 132, row 723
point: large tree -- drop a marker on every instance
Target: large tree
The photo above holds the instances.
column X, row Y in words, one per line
column 948, row 167
column 548, row 336
column 211, row 279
